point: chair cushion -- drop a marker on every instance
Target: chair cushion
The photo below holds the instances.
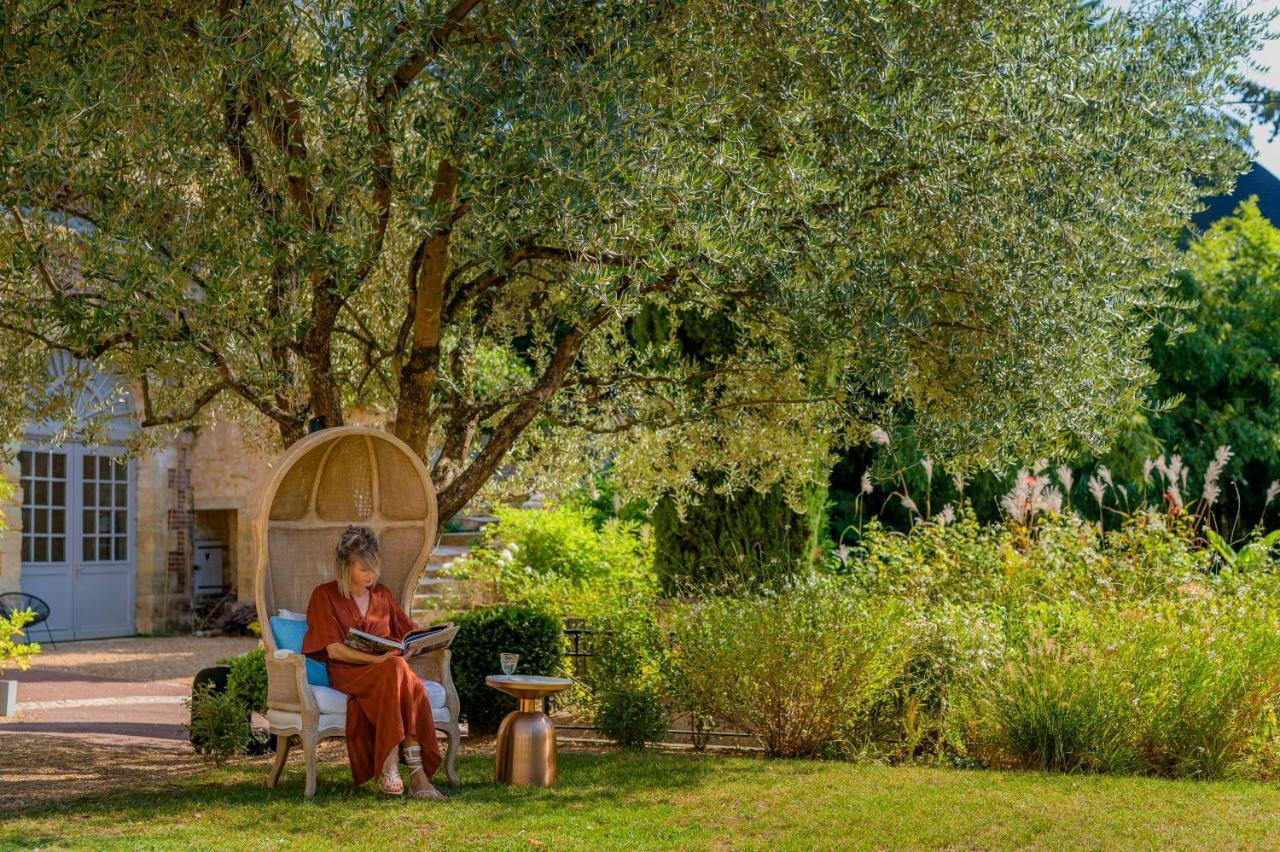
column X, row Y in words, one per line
column 330, row 700
column 435, row 694
column 286, row 720
column 288, row 633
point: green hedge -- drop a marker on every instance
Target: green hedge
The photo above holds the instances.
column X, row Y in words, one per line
column 747, row 540
column 483, row 634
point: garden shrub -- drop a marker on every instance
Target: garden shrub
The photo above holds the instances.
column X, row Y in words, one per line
column 1002, row 565
column 930, row 710
column 801, row 668
column 558, row 560
column 746, row 540
column 219, row 726
column 247, row 680
column 624, row 678
column 14, row 653
column 631, row 714
column 1204, row 682
column 484, row 634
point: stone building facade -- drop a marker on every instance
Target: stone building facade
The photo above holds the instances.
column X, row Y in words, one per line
column 180, row 518
column 112, row 542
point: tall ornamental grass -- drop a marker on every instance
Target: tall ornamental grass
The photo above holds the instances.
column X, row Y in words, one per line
column 1184, row 690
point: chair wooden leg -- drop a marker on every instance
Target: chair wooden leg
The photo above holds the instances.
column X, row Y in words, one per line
column 282, row 755
column 449, row 770
column 309, row 749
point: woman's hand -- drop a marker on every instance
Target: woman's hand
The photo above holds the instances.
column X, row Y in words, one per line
column 342, row 653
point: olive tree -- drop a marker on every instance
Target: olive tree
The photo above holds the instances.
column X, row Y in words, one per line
column 457, row 213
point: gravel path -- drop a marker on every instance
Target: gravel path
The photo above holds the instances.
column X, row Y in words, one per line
column 145, row 660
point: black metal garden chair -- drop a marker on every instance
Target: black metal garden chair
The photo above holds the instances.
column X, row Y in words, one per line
column 11, row 602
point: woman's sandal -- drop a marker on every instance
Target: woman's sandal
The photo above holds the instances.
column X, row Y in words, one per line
column 413, row 759
column 390, row 783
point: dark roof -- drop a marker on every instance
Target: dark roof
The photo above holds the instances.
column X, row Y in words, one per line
column 1257, row 181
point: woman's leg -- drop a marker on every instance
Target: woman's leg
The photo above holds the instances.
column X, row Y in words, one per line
column 419, row 783
column 391, row 781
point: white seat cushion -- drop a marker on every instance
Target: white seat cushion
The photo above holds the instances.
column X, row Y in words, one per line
column 331, row 701
column 287, row 720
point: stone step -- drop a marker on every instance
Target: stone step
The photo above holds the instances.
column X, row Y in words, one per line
column 447, row 595
column 459, row 539
column 448, row 553
column 472, row 523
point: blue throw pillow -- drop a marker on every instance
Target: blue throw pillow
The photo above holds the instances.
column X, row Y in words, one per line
column 289, row 633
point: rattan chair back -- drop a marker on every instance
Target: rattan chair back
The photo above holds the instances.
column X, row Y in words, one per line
column 327, row 480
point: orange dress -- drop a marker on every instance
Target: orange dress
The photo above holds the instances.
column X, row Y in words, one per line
column 386, row 701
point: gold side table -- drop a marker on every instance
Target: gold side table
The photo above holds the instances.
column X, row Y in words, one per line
column 527, row 738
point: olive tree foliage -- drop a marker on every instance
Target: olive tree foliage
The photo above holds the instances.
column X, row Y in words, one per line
column 454, row 212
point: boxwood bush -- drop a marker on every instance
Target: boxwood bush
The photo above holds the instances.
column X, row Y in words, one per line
column 485, row 633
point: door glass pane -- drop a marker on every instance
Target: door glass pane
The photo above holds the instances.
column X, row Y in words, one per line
column 104, row 549
column 90, row 522
column 42, row 549
column 59, row 550
column 104, row 495
column 42, row 521
column 104, row 467
column 122, row 548
column 120, row 521
column 41, row 496
column 42, row 464
column 89, row 466
column 27, row 550
column 87, row 548
column 104, row 521
column 89, row 494
column 58, row 517
column 60, row 465
column 59, row 493
column 122, row 497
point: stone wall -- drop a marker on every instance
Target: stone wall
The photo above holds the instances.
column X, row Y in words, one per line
column 11, row 536
column 165, row 521
column 227, row 479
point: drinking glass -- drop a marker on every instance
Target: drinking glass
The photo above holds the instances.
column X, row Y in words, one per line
column 508, row 663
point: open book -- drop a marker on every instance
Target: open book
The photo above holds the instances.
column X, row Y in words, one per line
column 415, row 641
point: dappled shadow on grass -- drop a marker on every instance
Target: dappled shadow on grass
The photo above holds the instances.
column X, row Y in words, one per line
column 239, row 792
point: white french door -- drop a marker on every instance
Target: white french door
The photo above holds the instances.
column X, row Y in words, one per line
column 78, row 538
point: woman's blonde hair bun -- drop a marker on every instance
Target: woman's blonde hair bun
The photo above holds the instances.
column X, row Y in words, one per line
column 355, row 543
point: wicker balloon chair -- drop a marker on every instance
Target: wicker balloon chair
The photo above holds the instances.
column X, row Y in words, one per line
column 325, row 481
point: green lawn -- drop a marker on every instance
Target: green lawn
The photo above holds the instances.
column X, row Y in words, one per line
column 618, row 801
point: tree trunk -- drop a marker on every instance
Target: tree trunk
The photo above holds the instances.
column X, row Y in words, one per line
column 418, row 374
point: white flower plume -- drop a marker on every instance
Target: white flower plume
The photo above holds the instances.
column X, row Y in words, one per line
column 1097, row 489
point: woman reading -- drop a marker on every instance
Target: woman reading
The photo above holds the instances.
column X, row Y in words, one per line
column 388, row 713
